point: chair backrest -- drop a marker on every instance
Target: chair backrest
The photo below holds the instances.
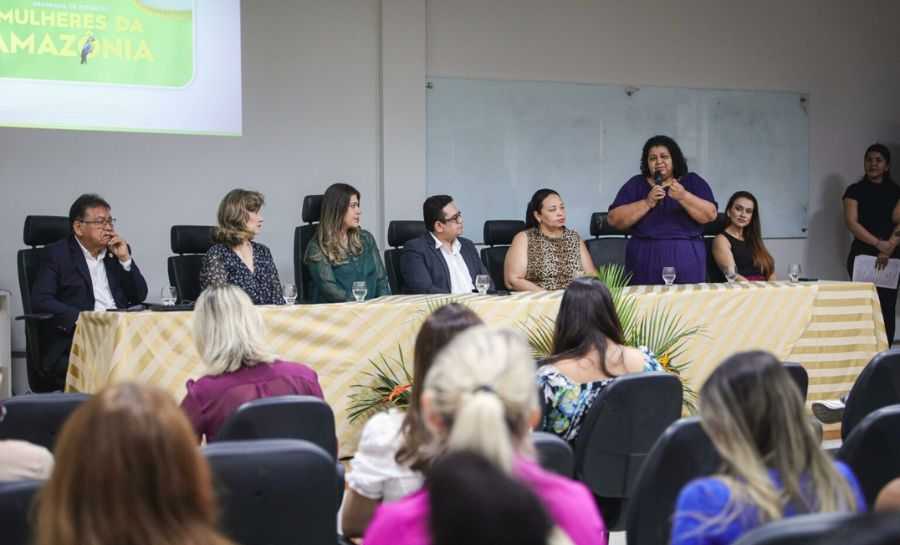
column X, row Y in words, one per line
column 38, row 418
column 877, row 386
column 799, row 375
column 607, row 250
column 623, row 423
column 38, row 231
column 282, row 417
column 275, row 492
column 16, row 500
column 498, row 235
column 554, row 454
column 399, row 232
column 190, row 243
column 797, row 530
column 682, row 453
column 716, row 226
column 710, row 230
column 600, row 226
column 873, row 450
column 310, row 214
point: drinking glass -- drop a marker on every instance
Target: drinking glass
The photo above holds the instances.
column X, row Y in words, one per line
column 168, row 295
column 482, row 283
column 668, row 275
column 360, row 290
column 794, row 272
column 730, row 275
column 289, row 292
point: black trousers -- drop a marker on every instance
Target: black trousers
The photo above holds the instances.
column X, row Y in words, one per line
column 886, row 296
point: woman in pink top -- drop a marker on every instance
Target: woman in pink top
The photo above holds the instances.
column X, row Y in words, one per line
column 228, row 334
column 479, row 396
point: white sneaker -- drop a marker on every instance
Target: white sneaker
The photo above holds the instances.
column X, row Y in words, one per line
column 828, row 411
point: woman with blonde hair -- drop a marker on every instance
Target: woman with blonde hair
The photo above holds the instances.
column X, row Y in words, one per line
column 772, row 463
column 479, row 396
column 342, row 253
column 235, row 258
column 128, row 472
column 229, row 336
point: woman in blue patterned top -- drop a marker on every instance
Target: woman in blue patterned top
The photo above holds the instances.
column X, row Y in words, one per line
column 236, row 259
column 772, row 463
column 588, row 353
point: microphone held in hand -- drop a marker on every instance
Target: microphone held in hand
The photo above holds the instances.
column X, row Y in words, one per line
column 657, row 177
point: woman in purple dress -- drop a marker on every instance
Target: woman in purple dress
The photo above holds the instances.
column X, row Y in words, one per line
column 664, row 209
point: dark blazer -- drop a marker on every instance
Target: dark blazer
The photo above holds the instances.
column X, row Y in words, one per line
column 63, row 288
column 424, row 269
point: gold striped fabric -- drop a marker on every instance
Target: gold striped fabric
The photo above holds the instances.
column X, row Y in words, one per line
column 832, row 328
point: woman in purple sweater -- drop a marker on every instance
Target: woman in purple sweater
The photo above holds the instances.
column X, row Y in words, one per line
column 228, row 333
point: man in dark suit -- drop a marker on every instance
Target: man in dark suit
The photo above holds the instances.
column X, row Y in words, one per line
column 90, row 270
column 440, row 261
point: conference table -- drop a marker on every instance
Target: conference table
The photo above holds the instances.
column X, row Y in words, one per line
column 832, row 328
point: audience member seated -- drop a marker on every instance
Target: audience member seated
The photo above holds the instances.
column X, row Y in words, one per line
column 472, row 501
column 235, row 258
column 389, row 459
column 479, row 396
column 889, row 497
column 546, row 255
column 440, row 261
column 21, row 460
column 90, row 270
column 128, row 472
column 739, row 249
column 341, row 252
column 588, row 354
column 229, row 336
column 773, row 465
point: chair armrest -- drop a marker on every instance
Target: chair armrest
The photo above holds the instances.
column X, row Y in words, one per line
column 39, row 317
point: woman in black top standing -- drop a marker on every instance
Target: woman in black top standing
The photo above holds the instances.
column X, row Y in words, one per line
column 739, row 248
column 871, row 212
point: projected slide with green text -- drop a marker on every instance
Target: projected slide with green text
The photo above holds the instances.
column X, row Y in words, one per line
column 134, row 65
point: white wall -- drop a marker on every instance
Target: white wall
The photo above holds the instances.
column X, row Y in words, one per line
column 334, row 90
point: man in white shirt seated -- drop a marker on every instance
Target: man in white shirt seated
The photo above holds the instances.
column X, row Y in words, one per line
column 90, row 270
column 440, row 261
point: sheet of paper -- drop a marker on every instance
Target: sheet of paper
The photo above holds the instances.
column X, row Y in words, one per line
column 864, row 271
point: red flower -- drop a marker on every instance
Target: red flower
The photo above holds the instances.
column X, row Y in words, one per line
column 398, row 391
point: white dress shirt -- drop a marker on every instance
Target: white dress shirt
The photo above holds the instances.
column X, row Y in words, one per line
column 103, row 297
column 460, row 279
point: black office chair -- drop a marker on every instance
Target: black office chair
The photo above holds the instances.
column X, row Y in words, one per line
column 683, row 453
column 799, row 375
column 38, row 232
column 608, row 245
column 285, row 417
column 310, row 213
column 554, row 454
column 399, row 232
column 275, row 491
column 16, row 499
column 190, row 242
column 873, row 450
column 619, row 429
column 710, row 231
column 498, row 235
column 877, row 386
column 797, row 530
column 38, row 418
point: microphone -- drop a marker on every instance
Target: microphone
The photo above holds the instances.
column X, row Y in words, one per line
column 657, row 177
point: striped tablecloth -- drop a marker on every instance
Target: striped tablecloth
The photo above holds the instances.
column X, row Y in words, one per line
column 832, row 328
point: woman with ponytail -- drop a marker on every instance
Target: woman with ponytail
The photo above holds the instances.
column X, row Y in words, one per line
column 479, row 396
column 739, row 248
column 772, row 463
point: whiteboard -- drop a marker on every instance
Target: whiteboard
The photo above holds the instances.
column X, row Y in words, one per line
column 491, row 144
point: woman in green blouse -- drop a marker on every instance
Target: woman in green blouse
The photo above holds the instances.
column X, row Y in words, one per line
column 342, row 253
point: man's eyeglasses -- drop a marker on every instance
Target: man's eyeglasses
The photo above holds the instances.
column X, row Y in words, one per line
column 455, row 218
column 106, row 222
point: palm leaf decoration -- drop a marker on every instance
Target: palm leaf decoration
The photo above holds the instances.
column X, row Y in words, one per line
column 391, row 382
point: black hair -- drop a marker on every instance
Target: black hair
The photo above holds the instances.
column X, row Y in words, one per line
column 535, row 205
column 82, row 203
column 433, row 210
column 587, row 319
column 474, row 502
column 679, row 165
